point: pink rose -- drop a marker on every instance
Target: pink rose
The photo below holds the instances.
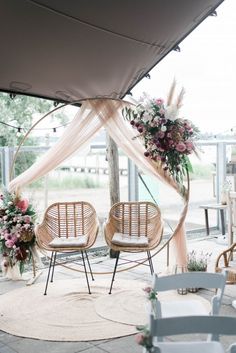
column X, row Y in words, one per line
column 23, row 205
column 27, row 219
column 9, row 243
column 180, row 147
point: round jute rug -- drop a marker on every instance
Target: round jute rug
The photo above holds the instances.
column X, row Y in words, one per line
column 67, row 312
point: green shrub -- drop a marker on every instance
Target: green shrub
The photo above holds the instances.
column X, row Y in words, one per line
column 68, row 182
column 202, row 171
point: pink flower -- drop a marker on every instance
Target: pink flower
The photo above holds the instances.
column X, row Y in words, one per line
column 160, row 101
column 27, row 219
column 9, row 243
column 160, row 134
column 23, row 205
column 147, row 289
column 180, row 147
column 189, row 145
column 139, row 338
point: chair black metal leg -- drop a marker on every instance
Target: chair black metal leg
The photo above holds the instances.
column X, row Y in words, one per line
column 53, row 266
column 114, row 272
column 49, row 270
column 150, row 262
column 85, row 271
column 90, row 269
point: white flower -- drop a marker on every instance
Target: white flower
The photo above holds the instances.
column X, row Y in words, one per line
column 156, row 119
column 10, row 203
column 163, row 128
column 146, row 118
column 171, row 112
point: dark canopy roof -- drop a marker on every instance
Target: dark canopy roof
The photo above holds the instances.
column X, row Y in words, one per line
column 72, row 49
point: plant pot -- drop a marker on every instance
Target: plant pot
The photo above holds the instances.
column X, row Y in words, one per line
column 193, row 290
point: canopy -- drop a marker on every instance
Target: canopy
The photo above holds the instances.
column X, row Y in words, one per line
column 76, row 49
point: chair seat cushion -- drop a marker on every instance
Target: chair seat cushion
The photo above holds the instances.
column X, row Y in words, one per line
column 183, row 308
column 193, row 347
column 58, row 242
column 127, row 240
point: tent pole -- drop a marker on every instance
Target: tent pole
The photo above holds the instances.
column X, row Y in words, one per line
column 113, row 170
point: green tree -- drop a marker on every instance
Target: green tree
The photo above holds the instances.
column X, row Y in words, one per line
column 19, row 112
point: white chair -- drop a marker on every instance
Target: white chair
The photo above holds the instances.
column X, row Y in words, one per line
column 188, row 306
column 213, row 325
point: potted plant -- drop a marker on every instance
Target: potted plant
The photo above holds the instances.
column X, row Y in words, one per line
column 197, row 262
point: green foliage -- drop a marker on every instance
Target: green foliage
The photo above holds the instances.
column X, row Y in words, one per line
column 197, row 262
column 20, row 112
column 202, row 171
column 68, row 182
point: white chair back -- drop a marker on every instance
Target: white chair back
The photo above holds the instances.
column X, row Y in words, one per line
column 189, row 280
column 212, row 325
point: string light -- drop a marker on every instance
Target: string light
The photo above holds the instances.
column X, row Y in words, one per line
column 19, row 128
column 177, row 48
column 213, row 13
column 12, row 95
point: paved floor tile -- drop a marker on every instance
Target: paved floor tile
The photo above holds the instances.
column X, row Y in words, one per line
column 39, row 346
column 124, row 344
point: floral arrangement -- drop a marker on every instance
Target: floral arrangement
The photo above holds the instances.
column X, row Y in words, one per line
column 17, row 236
column 197, row 262
column 144, row 338
column 167, row 138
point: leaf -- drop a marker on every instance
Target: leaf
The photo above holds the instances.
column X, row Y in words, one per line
column 21, row 267
column 188, row 164
column 171, row 93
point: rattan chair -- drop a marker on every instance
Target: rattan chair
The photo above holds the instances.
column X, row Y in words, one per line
column 133, row 227
column 225, row 259
column 231, row 207
column 67, row 227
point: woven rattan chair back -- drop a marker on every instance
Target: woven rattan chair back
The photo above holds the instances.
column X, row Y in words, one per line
column 71, row 219
column 67, row 221
column 134, row 220
column 226, row 259
column 231, row 206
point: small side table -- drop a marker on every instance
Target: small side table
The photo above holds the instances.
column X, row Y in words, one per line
column 217, row 207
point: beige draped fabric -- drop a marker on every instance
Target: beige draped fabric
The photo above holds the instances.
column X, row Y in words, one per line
column 94, row 114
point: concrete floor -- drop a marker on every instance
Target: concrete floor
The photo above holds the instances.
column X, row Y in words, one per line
column 14, row 344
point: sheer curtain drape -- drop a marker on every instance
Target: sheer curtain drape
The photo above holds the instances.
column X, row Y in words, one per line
column 93, row 114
